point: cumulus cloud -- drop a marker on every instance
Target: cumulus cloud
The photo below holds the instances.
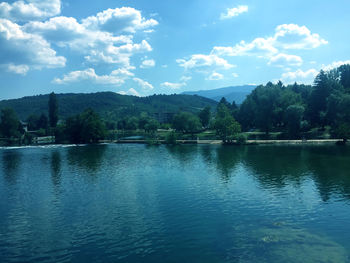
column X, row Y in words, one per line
column 130, row 91
column 143, row 84
column 300, row 76
column 21, row 51
column 201, row 61
column 148, row 63
column 30, row 9
column 335, row 64
column 172, row 85
column 232, row 12
column 98, row 39
column 97, row 46
column 215, row 76
column 292, row 36
column 286, row 37
column 18, row 69
column 118, row 20
column 115, row 78
column 235, row 75
column 285, row 59
column 176, row 85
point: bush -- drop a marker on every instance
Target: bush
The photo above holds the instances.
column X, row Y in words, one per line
column 171, row 138
column 241, row 139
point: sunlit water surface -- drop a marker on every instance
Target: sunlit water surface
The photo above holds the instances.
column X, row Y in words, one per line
column 133, row 203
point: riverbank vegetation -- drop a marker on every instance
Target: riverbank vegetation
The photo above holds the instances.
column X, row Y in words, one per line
column 271, row 111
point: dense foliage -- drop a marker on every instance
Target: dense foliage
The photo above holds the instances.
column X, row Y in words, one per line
column 299, row 108
column 293, row 111
column 110, row 106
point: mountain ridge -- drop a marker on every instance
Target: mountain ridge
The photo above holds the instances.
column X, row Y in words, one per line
column 109, row 105
column 231, row 93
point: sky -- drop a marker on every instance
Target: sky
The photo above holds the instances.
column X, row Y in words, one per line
column 140, row 47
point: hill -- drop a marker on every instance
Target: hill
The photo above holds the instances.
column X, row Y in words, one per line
column 233, row 93
column 110, row 105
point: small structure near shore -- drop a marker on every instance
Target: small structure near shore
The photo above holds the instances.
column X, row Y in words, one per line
column 44, row 140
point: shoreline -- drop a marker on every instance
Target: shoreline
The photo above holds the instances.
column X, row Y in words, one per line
column 248, row 142
column 334, row 142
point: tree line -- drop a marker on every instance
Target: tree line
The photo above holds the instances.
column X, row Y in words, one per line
column 295, row 111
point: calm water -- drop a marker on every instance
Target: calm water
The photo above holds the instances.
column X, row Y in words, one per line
column 133, row 203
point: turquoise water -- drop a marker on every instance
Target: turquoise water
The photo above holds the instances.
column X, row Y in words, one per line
column 133, row 203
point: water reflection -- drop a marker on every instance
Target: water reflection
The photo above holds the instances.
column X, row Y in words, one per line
column 184, row 153
column 276, row 167
column 90, row 157
column 227, row 158
column 331, row 174
column 56, row 167
column 11, row 161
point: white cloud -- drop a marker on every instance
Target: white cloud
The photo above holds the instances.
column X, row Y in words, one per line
column 18, row 69
column 285, row 59
column 176, row 85
column 259, row 47
column 172, row 85
column 91, row 76
column 185, row 78
column 30, row 9
column 125, row 19
column 232, row 12
column 286, row 37
column 201, row 61
column 300, row 76
column 130, row 91
column 292, row 36
column 335, row 64
column 22, row 51
column 143, row 84
column 215, row 76
column 235, row 75
column 148, row 63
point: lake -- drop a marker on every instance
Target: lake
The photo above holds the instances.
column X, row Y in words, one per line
column 188, row 203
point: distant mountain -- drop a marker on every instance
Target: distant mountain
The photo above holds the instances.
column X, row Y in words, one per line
column 109, row 105
column 233, row 93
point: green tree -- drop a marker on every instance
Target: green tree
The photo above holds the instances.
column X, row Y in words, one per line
column 43, row 122
column 151, row 126
column 294, row 115
column 10, row 125
column 86, row 127
column 132, row 124
column 345, row 76
column 225, row 125
column 53, row 110
column 186, row 122
column 204, row 116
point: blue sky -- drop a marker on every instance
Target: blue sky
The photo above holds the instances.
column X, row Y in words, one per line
column 143, row 47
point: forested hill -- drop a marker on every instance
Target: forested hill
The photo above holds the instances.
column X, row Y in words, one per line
column 109, row 105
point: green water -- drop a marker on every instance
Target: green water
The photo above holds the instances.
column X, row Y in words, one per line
column 133, row 203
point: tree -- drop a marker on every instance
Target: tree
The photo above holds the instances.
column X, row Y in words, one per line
column 10, row 125
column 53, row 110
column 186, row 122
column 343, row 131
column 204, row 116
column 345, row 76
column 43, row 122
column 294, row 115
column 132, row 124
column 151, row 126
column 86, row 127
column 225, row 125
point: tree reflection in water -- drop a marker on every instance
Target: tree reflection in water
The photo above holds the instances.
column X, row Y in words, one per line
column 89, row 158
column 11, row 161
